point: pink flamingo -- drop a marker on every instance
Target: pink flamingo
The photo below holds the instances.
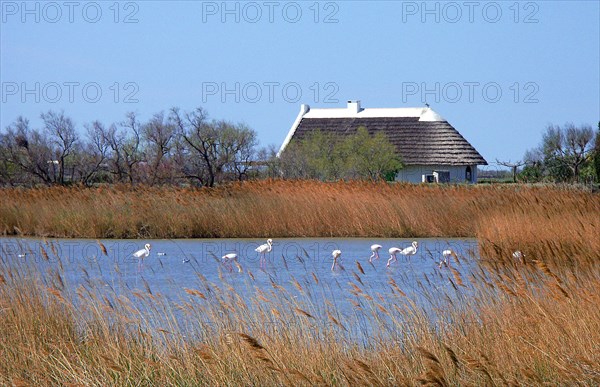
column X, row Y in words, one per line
column 335, row 254
column 228, row 258
column 375, row 250
column 141, row 254
column 263, row 250
column 445, row 260
column 411, row 250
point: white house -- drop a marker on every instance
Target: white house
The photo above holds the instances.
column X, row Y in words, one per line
column 430, row 148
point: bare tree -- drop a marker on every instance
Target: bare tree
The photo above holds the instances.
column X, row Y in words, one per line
column 569, row 145
column 61, row 132
column 160, row 136
column 200, row 136
column 126, row 148
column 237, row 148
column 162, row 150
column 513, row 165
column 116, row 160
column 94, row 153
column 30, row 152
column 217, row 150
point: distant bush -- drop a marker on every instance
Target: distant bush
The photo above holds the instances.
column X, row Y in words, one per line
column 327, row 157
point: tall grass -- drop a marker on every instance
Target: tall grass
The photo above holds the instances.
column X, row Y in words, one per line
column 538, row 221
column 525, row 325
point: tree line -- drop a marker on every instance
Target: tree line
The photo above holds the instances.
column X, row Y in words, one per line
column 187, row 148
column 566, row 154
column 170, row 148
column 179, row 148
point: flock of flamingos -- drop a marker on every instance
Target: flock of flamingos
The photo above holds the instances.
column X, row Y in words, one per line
column 263, row 249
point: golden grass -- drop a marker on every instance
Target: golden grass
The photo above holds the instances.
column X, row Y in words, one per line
column 538, row 221
column 515, row 324
column 524, row 325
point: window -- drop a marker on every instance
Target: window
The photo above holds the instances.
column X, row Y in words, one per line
column 468, row 174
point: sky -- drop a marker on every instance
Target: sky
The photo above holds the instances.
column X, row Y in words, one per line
column 498, row 71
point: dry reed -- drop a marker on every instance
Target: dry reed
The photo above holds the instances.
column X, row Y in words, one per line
column 522, row 330
column 530, row 323
column 535, row 220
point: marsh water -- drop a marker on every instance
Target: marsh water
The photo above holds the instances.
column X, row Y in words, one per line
column 176, row 265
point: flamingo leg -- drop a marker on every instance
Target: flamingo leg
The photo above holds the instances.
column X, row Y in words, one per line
column 262, row 260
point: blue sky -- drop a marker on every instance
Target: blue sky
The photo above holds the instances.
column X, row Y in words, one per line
column 498, row 71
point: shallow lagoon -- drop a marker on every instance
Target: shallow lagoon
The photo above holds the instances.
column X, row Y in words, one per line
column 175, row 266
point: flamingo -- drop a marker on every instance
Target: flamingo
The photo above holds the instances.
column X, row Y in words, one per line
column 335, row 254
column 227, row 258
column 393, row 251
column 263, row 249
column 143, row 253
column 518, row 256
column 445, row 255
column 375, row 250
column 411, row 250
column 161, row 254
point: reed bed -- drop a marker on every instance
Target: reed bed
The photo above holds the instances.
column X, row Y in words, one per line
column 536, row 220
column 520, row 325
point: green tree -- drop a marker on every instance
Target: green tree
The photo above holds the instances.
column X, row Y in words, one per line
column 565, row 154
column 371, row 156
column 567, row 149
column 323, row 156
column 533, row 171
column 327, row 156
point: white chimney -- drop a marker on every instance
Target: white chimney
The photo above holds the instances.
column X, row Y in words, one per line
column 354, row 106
column 304, row 108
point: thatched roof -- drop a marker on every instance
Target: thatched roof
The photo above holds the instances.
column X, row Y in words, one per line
column 421, row 136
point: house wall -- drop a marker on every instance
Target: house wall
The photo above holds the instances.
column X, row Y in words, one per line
column 413, row 173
